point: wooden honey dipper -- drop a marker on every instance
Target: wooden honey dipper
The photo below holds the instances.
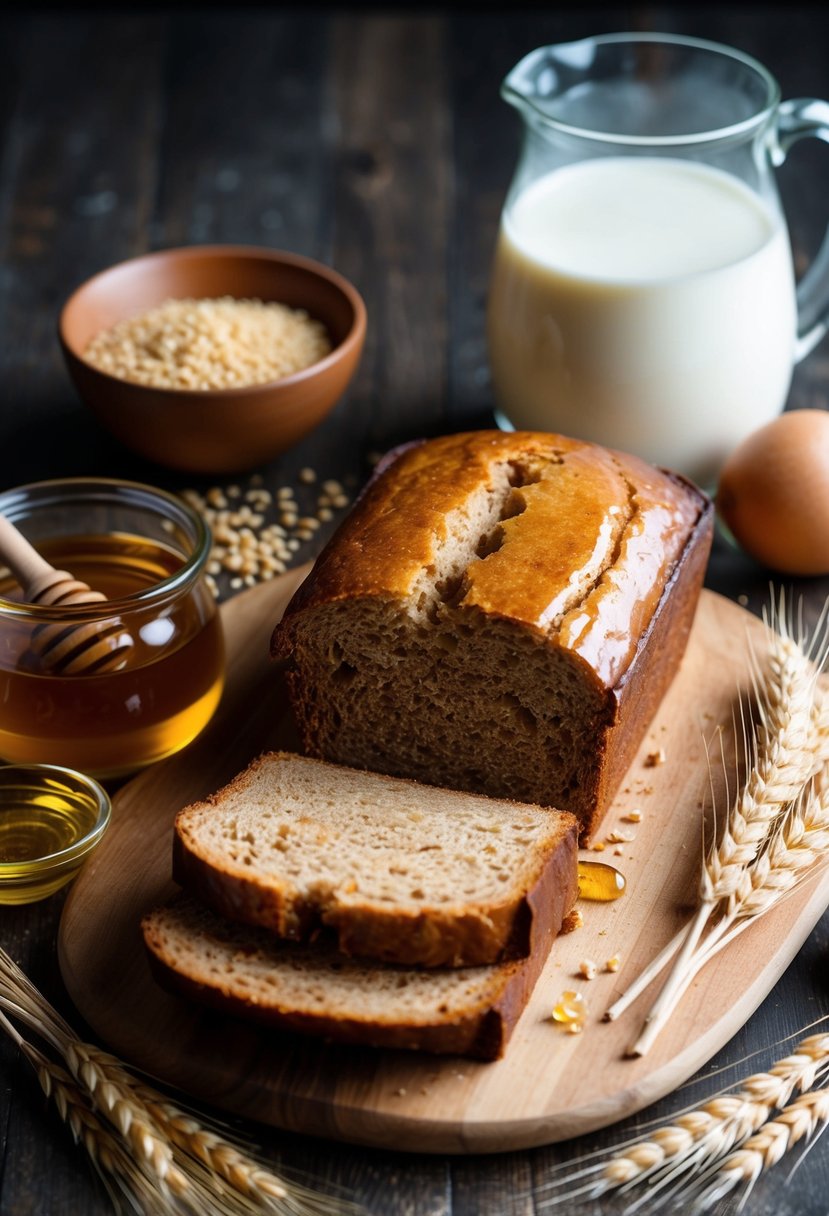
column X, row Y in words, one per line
column 63, row 648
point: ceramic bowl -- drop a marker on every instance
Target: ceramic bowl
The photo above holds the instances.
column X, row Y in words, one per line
column 214, row 430
column 51, row 820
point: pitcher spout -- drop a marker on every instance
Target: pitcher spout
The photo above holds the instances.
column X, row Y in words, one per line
column 545, row 74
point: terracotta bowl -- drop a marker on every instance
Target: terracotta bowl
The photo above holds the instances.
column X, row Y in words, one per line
column 214, row 430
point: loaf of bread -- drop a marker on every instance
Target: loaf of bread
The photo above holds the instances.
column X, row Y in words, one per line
column 499, row 613
column 310, row 989
column 400, row 872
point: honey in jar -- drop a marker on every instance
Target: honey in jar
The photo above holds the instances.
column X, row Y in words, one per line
column 110, row 723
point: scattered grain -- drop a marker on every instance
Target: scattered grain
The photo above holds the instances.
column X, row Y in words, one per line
column 588, row 969
column 249, row 544
column 613, row 963
column 634, row 816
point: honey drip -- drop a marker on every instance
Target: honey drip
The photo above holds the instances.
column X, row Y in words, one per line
column 600, row 882
column 570, row 1011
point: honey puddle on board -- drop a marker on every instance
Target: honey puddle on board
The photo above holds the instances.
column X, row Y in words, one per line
column 599, row 881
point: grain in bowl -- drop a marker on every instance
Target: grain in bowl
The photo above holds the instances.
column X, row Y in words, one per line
column 210, row 344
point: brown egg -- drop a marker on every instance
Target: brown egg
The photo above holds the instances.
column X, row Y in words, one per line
column 774, row 493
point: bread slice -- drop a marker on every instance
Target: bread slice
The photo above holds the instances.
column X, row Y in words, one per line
column 400, row 872
column 500, row 613
column 313, row 990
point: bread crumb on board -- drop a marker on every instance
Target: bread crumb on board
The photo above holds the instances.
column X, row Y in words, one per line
column 655, row 758
column 573, row 920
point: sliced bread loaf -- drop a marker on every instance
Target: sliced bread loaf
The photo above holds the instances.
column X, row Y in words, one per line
column 401, row 872
column 313, row 990
column 499, row 613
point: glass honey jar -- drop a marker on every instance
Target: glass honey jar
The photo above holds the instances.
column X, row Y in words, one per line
column 145, row 550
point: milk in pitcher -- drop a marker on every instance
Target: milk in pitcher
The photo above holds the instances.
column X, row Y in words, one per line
column 646, row 303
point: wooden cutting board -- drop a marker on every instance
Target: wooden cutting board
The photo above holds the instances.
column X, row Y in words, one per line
column 551, row 1085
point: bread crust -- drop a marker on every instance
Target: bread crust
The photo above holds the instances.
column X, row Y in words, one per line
column 626, row 648
column 436, row 935
column 480, row 1031
column 386, row 540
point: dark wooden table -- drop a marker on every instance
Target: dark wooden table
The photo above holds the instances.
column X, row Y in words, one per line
column 375, row 142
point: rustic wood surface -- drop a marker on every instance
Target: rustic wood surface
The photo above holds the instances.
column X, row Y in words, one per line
column 408, row 1100
column 377, row 143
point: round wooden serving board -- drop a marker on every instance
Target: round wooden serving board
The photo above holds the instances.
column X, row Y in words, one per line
column 550, row 1085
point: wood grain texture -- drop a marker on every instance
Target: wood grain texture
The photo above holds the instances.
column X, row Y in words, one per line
column 536, row 1094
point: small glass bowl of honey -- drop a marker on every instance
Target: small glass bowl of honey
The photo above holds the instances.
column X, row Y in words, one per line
column 145, row 550
column 51, row 819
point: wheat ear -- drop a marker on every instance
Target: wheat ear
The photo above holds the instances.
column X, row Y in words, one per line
column 704, row 1135
column 112, row 1162
column 798, row 849
column 206, row 1170
column 792, row 732
column 798, row 1121
column 783, row 761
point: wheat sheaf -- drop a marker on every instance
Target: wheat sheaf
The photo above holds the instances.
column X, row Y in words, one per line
column 153, row 1157
column 774, row 834
column 707, row 1151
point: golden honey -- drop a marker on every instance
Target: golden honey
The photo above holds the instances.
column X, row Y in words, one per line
column 570, row 1012
column 50, row 819
column 600, row 882
column 111, row 723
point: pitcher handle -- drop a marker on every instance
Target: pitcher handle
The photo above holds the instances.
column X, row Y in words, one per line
column 797, row 119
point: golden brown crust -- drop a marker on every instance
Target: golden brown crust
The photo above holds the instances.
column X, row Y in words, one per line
column 388, row 539
column 435, row 936
column 480, row 1031
column 648, row 678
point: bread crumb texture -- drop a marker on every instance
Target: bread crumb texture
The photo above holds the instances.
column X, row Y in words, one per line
column 400, row 871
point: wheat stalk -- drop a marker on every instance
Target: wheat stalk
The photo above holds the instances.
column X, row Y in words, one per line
column 798, row 850
column 788, row 748
column 165, row 1155
column 703, row 1138
column 789, row 745
column 113, row 1163
column 800, row 1120
column 783, row 760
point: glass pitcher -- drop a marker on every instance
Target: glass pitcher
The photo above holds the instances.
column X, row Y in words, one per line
column 642, row 292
